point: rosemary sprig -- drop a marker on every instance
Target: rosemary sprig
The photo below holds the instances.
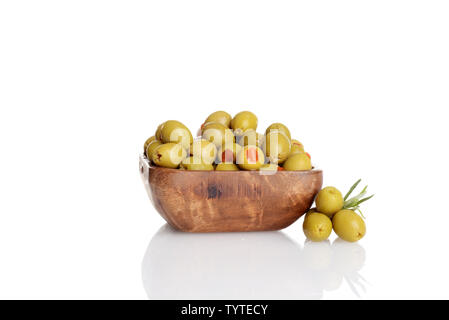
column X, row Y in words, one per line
column 352, row 189
column 364, row 199
column 354, row 202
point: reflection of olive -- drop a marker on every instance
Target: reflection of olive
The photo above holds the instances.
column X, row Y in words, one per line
column 348, row 257
column 317, row 255
column 169, row 155
column 331, row 280
column 349, row 226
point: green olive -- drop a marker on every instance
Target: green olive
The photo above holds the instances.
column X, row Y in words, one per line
column 227, row 167
column 174, row 131
column 218, row 134
column 195, row 164
column 317, row 227
column 298, row 162
column 147, row 142
column 250, row 158
column 297, row 147
column 169, row 155
column 221, row 117
column 269, row 167
column 244, row 121
column 151, row 147
column 349, row 226
column 311, row 210
column 158, row 133
column 277, row 146
column 329, row 200
column 314, row 210
column 204, row 150
column 251, row 137
column 228, row 153
column 279, row 127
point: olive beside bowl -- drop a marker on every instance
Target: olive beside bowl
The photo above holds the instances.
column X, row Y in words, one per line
column 229, row 201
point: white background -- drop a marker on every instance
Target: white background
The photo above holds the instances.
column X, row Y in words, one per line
column 363, row 84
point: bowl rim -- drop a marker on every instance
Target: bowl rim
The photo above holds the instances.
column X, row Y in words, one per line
column 154, row 167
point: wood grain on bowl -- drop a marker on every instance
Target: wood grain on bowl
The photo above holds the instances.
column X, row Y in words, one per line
column 223, row 201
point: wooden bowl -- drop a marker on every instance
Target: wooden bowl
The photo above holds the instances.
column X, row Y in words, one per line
column 224, row 201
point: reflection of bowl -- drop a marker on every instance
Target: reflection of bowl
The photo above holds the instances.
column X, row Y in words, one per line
column 220, row 201
column 248, row 266
column 257, row 265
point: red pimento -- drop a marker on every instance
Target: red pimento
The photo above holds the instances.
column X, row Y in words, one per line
column 227, row 156
column 309, row 155
column 252, row 155
column 280, row 169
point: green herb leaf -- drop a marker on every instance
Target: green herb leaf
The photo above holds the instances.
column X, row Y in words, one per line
column 365, row 199
column 361, row 213
column 352, row 189
column 364, row 189
column 354, row 200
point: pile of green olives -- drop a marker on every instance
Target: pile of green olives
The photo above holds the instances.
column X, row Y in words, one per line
column 226, row 143
column 333, row 211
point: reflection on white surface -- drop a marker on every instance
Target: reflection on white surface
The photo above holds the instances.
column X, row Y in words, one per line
column 259, row 265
